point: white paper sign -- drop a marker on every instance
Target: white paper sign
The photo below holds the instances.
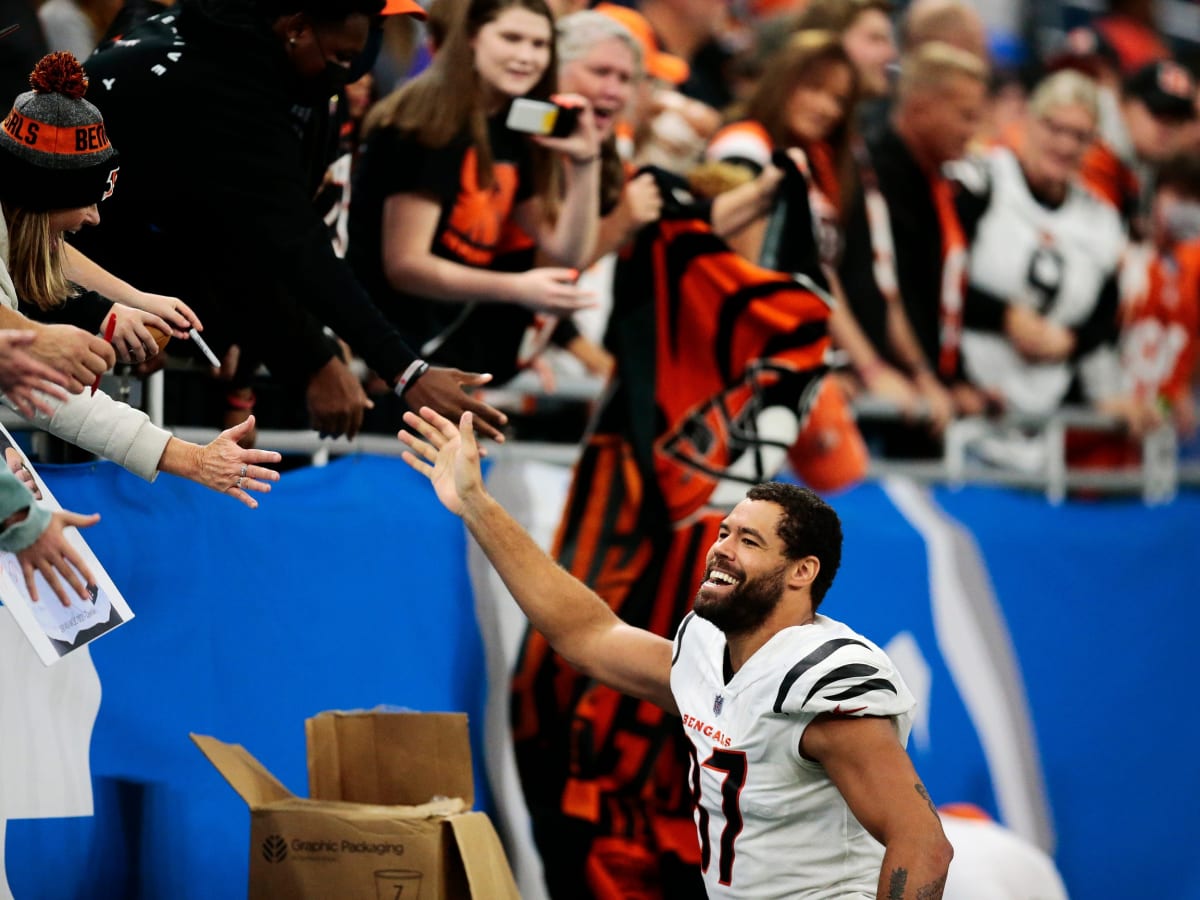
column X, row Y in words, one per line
column 55, row 630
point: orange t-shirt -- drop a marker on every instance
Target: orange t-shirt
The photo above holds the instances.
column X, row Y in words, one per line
column 1160, row 318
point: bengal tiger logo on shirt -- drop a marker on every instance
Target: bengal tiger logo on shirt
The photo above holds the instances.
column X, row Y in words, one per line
column 477, row 220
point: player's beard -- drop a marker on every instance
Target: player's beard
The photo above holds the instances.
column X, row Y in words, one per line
column 745, row 607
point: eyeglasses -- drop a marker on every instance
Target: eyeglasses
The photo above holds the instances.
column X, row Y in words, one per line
column 1058, row 130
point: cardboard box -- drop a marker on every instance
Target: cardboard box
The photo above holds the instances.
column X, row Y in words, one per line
column 388, row 817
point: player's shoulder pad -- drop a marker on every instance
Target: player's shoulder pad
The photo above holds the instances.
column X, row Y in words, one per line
column 844, row 675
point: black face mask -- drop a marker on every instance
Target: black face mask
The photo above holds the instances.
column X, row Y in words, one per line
column 329, row 81
column 365, row 61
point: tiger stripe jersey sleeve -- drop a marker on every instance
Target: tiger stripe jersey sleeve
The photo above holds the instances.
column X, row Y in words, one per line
column 845, row 675
column 771, row 824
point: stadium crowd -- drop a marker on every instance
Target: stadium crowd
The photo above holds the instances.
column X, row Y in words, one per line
column 744, row 216
column 996, row 229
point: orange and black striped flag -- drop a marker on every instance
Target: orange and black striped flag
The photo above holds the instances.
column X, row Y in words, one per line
column 719, row 361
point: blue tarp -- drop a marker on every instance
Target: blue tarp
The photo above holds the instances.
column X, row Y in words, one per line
column 348, row 588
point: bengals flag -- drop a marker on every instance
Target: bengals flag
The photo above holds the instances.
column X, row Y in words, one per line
column 720, row 379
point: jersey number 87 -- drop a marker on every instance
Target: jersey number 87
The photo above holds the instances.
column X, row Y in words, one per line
column 732, row 763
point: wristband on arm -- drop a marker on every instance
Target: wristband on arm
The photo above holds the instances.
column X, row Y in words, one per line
column 415, row 370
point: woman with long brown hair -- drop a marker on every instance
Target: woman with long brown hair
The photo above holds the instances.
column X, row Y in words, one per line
column 442, row 176
column 803, row 100
column 806, row 99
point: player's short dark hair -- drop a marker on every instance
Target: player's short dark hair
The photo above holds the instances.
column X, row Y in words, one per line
column 809, row 527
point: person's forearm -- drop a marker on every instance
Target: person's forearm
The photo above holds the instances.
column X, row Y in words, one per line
column 90, row 275
column 109, row 428
column 87, row 312
column 848, row 336
column 431, row 276
column 615, row 229
column 904, row 341
column 573, row 238
column 735, row 209
column 324, row 286
column 560, row 607
column 11, row 319
column 296, row 348
column 180, row 458
column 914, row 869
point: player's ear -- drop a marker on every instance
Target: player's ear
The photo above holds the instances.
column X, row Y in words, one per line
column 804, row 572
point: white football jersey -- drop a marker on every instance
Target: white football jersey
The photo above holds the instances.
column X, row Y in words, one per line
column 771, row 823
column 1054, row 260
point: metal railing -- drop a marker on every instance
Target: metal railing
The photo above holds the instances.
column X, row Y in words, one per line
column 1155, row 479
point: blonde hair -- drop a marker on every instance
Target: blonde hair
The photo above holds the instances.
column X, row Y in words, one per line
column 35, row 259
column 579, row 32
column 946, row 21
column 575, row 35
column 929, row 65
column 1065, row 88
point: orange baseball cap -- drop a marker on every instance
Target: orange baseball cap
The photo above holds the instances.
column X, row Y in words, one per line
column 403, row 8
column 664, row 66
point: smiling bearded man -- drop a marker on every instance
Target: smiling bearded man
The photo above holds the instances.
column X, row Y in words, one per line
column 739, row 605
column 795, row 723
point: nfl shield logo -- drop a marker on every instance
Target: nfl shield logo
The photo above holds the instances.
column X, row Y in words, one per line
column 718, row 703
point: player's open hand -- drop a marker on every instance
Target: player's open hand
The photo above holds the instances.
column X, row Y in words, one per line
column 446, row 454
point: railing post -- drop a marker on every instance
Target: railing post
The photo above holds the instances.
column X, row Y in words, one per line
column 1160, row 465
column 1055, row 436
column 154, row 397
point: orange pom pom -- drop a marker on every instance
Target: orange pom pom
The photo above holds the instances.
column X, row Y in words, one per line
column 59, row 73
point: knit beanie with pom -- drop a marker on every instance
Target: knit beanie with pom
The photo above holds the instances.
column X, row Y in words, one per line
column 54, row 153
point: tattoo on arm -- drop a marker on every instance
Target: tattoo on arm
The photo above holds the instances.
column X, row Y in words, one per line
column 932, row 891
column 925, row 795
column 897, row 884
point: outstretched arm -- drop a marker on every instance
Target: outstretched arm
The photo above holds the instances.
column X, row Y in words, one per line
column 865, row 760
column 577, row 623
column 176, row 314
column 223, row 464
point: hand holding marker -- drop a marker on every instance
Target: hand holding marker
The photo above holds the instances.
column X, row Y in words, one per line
column 110, row 328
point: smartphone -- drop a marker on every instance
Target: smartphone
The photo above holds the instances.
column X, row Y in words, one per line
column 542, row 117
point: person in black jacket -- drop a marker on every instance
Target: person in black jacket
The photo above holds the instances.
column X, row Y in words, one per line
column 22, row 44
column 216, row 193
